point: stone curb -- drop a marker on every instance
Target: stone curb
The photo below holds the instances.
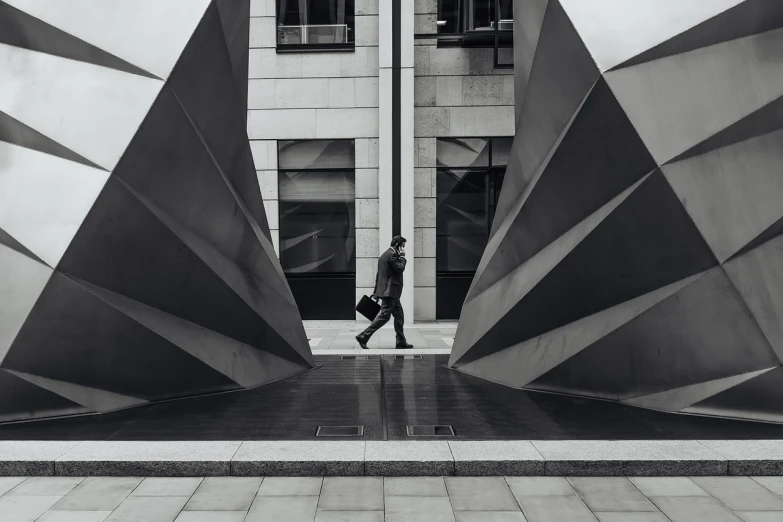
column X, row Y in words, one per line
column 391, row 458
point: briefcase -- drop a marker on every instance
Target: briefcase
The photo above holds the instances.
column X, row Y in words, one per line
column 368, row 308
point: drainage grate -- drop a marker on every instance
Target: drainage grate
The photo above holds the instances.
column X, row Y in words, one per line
column 358, row 357
column 407, row 357
column 437, row 430
column 340, row 431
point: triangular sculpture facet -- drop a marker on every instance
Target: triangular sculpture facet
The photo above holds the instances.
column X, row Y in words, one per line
column 637, row 252
column 133, row 235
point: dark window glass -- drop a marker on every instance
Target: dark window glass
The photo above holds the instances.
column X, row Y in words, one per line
column 479, row 23
column 469, row 179
column 317, row 220
column 462, row 219
column 315, row 23
column 449, row 16
column 458, row 16
column 501, row 148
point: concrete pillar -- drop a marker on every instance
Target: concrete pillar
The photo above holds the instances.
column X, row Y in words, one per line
column 396, row 145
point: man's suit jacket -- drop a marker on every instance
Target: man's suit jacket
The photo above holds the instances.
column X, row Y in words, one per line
column 388, row 282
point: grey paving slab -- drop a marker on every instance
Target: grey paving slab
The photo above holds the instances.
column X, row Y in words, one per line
column 489, row 516
column 24, row 509
column 480, row 494
column 148, row 509
column 9, row 483
column 224, row 494
column 31, row 458
column 278, row 509
column 46, row 486
column 408, row 458
column 668, row 487
column 349, row 516
column 381, row 351
column 74, row 516
column 414, row 487
column 774, row 484
column 291, row 486
column 632, row 517
column 756, row 457
column 167, row 487
column 740, row 493
column 611, row 494
column 299, row 458
column 694, row 509
column 556, row 509
column 629, row 458
column 98, row 494
column 352, row 494
column 148, row 458
column 325, row 342
column 493, row 458
column 211, row 516
column 540, row 487
column 761, row 516
column 418, row 509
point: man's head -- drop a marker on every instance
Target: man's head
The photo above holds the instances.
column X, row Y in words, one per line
column 398, row 242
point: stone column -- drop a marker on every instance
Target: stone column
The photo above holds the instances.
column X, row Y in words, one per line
column 395, row 179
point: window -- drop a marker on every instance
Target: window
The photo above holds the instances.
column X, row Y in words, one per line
column 317, row 225
column 315, row 24
column 469, row 178
column 479, row 23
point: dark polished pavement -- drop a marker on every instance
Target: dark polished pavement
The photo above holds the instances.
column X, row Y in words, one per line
column 385, row 395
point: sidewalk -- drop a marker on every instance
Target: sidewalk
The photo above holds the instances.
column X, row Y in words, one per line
column 376, row 499
column 340, row 335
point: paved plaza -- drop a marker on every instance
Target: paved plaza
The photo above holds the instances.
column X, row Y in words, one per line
column 377, row 499
column 341, row 335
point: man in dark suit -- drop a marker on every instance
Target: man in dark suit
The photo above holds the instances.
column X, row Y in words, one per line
column 388, row 288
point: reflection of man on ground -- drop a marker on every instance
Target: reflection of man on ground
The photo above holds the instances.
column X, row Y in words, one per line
column 388, row 288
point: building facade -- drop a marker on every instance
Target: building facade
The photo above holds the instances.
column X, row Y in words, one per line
column 372, row 118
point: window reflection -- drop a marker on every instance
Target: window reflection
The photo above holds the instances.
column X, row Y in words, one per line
column 479, row 23
column 459, row 16
column 317, row 221
column 482, row 15
column 315, row 23
column 317, row 226
column 469, row 179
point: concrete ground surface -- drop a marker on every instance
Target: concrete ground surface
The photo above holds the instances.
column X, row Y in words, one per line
column 378, row 499
column 341, row 335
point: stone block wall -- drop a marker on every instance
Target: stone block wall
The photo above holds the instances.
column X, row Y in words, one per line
column 458, row 93
column 312, row 95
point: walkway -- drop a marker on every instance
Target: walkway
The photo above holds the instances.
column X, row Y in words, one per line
column 340, row 335
column 376, row 499
column 385, row 395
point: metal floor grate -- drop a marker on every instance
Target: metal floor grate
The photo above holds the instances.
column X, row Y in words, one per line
column 340, row 431
column 408, row 357
column 436, row 430
column 359, row 357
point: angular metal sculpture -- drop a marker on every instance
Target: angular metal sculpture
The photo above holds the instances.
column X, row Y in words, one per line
column 637, row 249
column 135, row 257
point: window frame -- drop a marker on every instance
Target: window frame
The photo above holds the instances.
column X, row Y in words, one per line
column 478, row 39
column 314, row 48
column 490, row 170
column 449, row 282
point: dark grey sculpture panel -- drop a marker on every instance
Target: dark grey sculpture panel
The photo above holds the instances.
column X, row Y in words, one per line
column 135, row 257
column 636, row 255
